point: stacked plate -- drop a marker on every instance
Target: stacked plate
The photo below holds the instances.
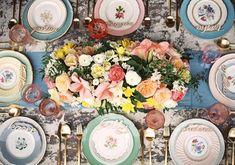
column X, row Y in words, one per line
column 47, row 20
column 22, row 141
column 207, row 18
column 196, row 142
column 122, row 16
column 222, row 80
column 111, row 139
column 15, row 72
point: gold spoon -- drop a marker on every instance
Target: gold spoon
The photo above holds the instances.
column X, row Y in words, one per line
column 170, row 21
column 231, row 138
column 65, row 133
column 88, row 19
column 13, row 21
column 13, row 112
column 150, row 135
column 59, row 151
column 224, row 43
column 147, row 19
column 76, row 20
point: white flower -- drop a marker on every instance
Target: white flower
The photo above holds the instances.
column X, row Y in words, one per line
column 99, row 58
column 95, row 81
column 85, row 60
column 179, row 86
column 132, row 78
column 156, row 75
column 115, row 60
column 170, row 104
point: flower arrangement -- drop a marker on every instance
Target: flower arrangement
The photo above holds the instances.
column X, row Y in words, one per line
column 124, row 75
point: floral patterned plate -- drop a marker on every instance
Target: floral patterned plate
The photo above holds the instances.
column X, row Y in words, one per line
column 221, row 81
column 122, row 16
column 196, row 141
column 118, row 140
column 11, row 91
column 207, row 19
column 22, row 141
column 47, row 20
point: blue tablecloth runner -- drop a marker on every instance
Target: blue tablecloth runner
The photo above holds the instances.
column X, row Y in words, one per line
column 190, row 100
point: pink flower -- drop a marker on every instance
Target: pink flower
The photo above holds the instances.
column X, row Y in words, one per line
column 116, row 73
column 162, row 95
column 50, row 84
column 103, row 91
column 81, row 86
column 177, row 95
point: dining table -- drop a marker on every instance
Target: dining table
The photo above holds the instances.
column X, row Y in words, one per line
column 194, row 105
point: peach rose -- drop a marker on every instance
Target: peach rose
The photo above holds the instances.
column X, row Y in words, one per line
column 62, row 82
column 66, row 97
column 177, row 62
column 162, row 95
column 116, row 73
column 71, row 60
column 147, row 87
column 88, row 50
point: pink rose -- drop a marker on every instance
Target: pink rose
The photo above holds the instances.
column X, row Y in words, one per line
column 177, row 95
column 116, row 73
column 49, row 83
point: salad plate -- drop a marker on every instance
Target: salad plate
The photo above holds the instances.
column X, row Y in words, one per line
column 196, row 141
column 48, row 20
column 118, row 140
column 221, row 81
column 122, row 16
column 22, row 141
column 15, row 72
column 207, row 19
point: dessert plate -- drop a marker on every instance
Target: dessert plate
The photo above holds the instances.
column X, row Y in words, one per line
column 221, row 81
column 118, row 140
column 122, row 16
column 207, row 19
column 22, row 141
column 196, row 141
column 47, row 20
column 13, row 75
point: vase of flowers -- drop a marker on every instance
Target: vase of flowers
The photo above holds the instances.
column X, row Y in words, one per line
column 117, row 76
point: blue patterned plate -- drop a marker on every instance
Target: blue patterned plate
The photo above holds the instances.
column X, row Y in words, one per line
column 207, row 19
column 48, row 20
column 22, row 141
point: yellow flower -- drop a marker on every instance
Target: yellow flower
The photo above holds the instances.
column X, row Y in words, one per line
column 62, row 82
column 71, row 60
column 139, row 105
column 59, row 54
column 67, row 46
column 127, row 107
column 126, row 43
column 106, row 65
column 185, row 75
column 97, row 70
column 151, row 102
column 54, row 95
column 128, row 92
column 85, row 104
column 120, row 50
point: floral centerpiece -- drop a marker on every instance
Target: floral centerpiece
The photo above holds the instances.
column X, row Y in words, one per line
column 117, row 76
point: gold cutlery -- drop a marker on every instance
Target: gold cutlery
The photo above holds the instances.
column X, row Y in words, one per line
column 177, row 15
column 65, row 133
column 166, row 136
column 13, row 112
column 13, row 20
column 231, row 138
column 170, row 21
column 141, row 131
column 147, row 19
column 59, row 150
column 88, row 19
column 79, row 134
column 150, row 136
column 76, row 20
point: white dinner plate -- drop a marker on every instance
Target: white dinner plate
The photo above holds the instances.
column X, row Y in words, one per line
column 216, row 81
column 22, row 141
column 196, row 142
column 43, row 13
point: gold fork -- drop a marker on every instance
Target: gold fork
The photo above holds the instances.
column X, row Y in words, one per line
column 79, row 134
column 166, row 136
column 150, row 136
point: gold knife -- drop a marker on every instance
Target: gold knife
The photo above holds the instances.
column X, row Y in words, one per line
column 177, row 15
column 141, row 131
column 59, row 150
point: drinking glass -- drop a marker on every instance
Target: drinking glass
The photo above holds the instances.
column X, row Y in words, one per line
column 155, row 119
column 218, row 113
